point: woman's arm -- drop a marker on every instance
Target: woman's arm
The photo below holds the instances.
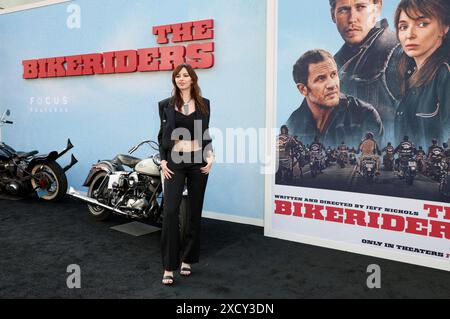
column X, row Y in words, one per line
column 208, row 139
column 162, row 151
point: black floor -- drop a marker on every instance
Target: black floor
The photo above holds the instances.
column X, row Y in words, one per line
column 39, row 240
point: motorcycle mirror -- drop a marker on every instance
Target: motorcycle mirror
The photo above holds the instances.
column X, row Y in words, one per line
column 8, row 112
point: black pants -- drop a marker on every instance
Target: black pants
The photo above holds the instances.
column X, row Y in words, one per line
column 173, row 251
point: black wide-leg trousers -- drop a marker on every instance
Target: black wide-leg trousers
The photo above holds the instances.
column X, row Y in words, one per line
column 173, row 250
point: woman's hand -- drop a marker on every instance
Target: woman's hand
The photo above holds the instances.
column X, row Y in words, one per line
column 166, row 171
column 206, row 169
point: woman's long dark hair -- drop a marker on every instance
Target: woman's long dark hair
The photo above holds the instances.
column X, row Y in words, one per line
column 196, row 92
column 437, row 9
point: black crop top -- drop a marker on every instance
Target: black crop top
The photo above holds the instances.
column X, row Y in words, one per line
column 185, row 121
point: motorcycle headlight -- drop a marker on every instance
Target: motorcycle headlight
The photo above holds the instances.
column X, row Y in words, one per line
column 157, row 159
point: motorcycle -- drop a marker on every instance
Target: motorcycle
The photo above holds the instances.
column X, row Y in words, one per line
column 285, row 172
column 26, row 173
column 135, row 193
column 342, row 159
column 298, row 155
column 352, row 159
column 388, row 162
column 315, row 164
column 434, row 165
column 421, row 163
column 368, row 169
column 333, row 158
column 328, row 158
column 408, row 169
column 444, row 183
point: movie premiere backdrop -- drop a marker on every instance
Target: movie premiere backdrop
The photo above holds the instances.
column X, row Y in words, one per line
column 338, row 208
column 94, row 71
column 53, row 82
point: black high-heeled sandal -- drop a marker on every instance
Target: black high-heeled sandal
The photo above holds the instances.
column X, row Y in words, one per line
column 186, row 271
column 167, row 280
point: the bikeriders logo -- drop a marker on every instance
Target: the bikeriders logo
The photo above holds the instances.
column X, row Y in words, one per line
column 199, row 55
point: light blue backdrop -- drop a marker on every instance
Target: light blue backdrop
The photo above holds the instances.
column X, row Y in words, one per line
column 107, row 114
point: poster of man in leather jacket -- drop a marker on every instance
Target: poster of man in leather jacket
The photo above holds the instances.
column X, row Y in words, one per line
column 368, row 58
column 375, row 46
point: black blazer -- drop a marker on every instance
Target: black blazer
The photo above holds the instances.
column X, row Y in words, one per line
column 167, row 117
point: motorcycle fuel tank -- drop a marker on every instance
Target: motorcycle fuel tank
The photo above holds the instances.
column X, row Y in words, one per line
column 3, row 155
column 148, row 167
column 7, row 149
column 6, row 152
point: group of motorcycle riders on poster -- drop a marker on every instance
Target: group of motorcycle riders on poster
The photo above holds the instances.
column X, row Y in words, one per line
column 405, row 160
column 384, row 93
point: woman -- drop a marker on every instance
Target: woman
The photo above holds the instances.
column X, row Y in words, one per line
column 186, row 155
column 424, row 110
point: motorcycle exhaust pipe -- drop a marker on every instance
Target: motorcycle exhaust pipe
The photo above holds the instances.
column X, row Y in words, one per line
column 73, row 161
column 72, row 192
column 68, row 148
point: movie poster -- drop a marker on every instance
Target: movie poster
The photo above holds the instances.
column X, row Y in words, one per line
column 362, row 148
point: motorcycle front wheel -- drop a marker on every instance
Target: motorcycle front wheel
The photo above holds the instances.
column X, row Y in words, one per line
column 387, row 166
column 409, row 180
column 49, row 177
column 313, row 170
column 99, row 213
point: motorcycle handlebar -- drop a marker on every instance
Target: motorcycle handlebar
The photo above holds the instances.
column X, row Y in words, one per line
column 9, row 122
column 149, row 142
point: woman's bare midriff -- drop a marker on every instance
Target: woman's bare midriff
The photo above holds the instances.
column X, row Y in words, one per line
column 186, row 146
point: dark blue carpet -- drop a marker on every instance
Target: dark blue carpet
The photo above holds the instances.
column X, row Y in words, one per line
column 39, row 240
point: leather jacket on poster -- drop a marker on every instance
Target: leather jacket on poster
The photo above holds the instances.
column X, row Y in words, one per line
column 435, row 151
column 349, row 122
column 389, row 150
column 284, row 143
column 167, row 117
column 405, row 148
column 369, row 147
column 316, row 148
column 424, row 112
column 369, row 72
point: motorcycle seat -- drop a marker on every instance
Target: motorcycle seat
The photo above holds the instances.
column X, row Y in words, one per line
column 23, row 155
column 126, row 160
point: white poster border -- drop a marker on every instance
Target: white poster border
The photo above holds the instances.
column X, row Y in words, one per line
column 271, row 107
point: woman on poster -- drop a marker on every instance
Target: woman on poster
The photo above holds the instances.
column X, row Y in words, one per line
column 423, row 113
column 187, row 158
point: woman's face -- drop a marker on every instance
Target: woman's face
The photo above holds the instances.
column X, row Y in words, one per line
column 183, row 80
column 420, row 37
